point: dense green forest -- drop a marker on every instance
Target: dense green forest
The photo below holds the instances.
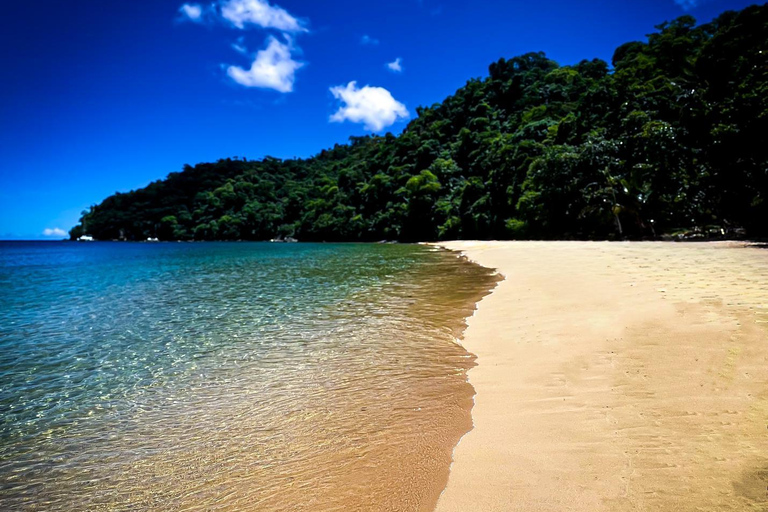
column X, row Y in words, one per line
column 672, row 138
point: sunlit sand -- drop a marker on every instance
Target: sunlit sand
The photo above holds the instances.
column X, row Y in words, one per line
column 617, row 376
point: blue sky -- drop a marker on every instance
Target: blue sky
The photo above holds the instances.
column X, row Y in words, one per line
column 102, row 96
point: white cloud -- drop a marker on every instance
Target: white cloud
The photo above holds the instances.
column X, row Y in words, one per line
column 192, row 11
column 396, row 66
column 261, row 13
column 58, row 232
column 366, row 39
column 687, row 5
column 273, row 68
column 373, row 106
column 239, row 46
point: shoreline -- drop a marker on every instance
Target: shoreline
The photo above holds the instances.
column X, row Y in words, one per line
column 616, row 376
column 296, row 378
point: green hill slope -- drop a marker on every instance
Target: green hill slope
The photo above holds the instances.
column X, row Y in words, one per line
column 674, row 137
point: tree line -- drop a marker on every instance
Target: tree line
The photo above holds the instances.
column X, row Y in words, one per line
column 670, row 139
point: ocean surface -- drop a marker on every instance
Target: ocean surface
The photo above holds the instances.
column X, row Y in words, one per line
column 231, row 376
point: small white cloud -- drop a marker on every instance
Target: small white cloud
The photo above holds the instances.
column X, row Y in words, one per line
column 259, row 12
column 273, row 68
column 193, row 12
column 396, row 66
column 239, row 46
column 373, row 106
column 366, row 39
column 57, row 232
column 687, row 5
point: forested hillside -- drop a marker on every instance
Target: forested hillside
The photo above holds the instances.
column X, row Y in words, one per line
column 673, row 137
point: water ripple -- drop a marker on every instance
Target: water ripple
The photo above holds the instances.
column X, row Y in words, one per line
column 230, row 376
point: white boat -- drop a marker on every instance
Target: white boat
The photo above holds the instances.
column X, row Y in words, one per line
column 152, row 239
column 85, row 238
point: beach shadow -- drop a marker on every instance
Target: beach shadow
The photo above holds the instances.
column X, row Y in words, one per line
column 753, row 485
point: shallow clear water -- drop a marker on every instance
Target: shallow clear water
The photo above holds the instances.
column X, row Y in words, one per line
column 231, row 376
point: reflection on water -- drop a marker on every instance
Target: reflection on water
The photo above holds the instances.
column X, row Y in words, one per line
column 231, row 376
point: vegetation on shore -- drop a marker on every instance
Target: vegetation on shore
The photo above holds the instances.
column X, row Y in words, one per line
column 673, row 137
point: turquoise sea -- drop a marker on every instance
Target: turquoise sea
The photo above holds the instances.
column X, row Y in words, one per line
column 231, row 376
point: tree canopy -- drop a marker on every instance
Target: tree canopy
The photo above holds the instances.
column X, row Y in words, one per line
column 672, row 138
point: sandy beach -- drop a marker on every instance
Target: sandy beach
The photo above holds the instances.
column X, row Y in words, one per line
column 616, row 376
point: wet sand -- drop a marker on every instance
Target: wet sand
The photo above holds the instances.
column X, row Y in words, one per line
column 616, row 376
